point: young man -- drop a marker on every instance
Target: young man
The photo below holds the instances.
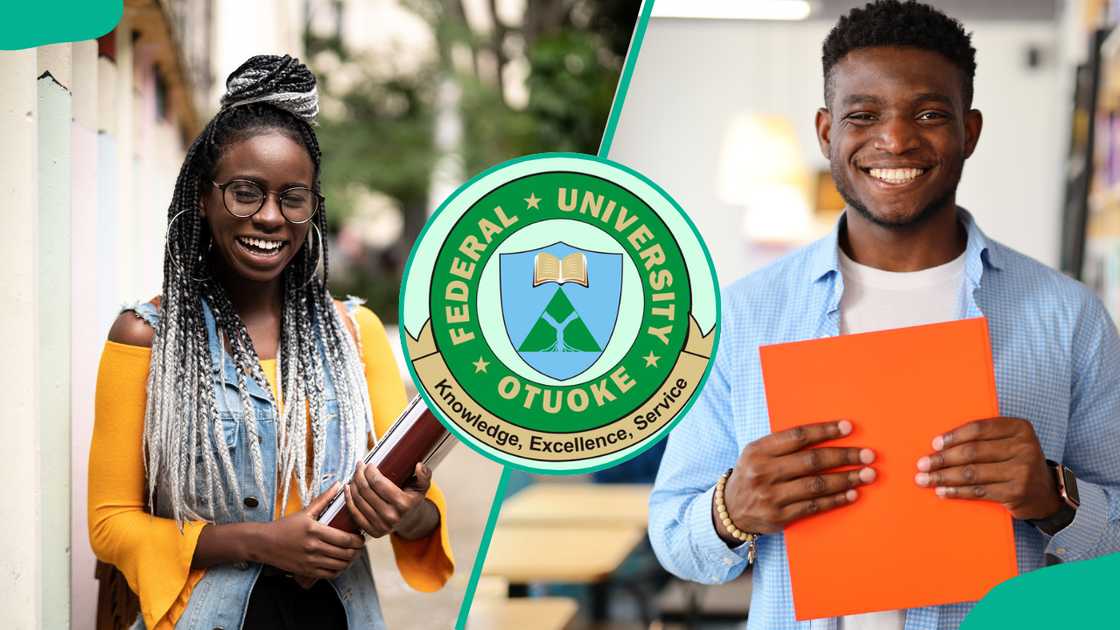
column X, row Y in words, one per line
column 897, row 127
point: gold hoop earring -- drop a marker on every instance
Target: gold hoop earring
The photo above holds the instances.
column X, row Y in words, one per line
column 319, row 260
column 170, row 251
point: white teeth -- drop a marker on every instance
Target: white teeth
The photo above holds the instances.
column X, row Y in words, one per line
column 897, row 175
column 261, row 244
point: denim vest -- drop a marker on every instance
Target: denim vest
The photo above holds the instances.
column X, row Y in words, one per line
column 220, row 599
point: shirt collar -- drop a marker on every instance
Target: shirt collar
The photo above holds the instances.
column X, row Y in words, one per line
column 824, row 255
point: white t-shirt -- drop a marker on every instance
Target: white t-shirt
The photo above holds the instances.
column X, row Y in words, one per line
column 876, row 300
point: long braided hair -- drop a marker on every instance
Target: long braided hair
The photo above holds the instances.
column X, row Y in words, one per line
column 186, row 456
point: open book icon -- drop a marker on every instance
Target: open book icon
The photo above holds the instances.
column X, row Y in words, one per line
column 548, row 268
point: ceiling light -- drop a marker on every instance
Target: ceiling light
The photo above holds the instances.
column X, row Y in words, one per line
column 733, row 9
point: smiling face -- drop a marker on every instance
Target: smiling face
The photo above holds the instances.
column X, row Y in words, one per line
column 896, row 133
column 260, row 247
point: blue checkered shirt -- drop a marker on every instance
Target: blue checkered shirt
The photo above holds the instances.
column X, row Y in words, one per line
column 1057, row 364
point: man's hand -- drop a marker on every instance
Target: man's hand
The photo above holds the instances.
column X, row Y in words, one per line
column 998, row 459
column 779, row 478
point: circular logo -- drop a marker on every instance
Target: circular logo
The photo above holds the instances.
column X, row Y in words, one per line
column 559, row 312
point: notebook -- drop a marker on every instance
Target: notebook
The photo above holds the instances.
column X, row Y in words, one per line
column 416, row 436
column 899, row 545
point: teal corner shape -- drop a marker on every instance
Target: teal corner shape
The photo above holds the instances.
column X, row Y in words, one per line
column 1073, row 595
column 38, row 23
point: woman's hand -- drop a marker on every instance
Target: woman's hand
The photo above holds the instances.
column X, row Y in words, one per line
column 299, row 544
column 379, row 507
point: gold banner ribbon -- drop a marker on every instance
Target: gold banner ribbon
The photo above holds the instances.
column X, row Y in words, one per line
column 458, row 406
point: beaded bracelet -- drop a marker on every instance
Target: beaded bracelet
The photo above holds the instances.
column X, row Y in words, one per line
column 725, row 518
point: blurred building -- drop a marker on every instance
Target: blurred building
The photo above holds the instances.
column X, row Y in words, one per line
column 96, row 132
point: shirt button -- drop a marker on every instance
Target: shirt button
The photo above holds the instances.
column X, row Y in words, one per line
column 1061, row 550
column 251, row 502
column 728, row 561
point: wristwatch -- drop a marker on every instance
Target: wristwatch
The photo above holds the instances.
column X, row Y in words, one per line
column 1066, row 483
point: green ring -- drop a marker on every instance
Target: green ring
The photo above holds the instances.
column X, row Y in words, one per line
column 634, row 449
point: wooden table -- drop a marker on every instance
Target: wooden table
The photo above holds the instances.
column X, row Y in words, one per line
column 579, row 505
column 543, row 613
column 525, row 553
column 553, row 553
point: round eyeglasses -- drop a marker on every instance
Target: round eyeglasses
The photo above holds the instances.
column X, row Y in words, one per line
column 244, row 198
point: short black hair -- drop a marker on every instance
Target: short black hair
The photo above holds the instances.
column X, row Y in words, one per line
column 906, row 24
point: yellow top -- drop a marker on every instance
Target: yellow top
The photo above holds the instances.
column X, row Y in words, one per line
column 151, row 553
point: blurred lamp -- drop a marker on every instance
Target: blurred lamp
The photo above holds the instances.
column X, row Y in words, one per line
column 761, row 169
column 733, row 9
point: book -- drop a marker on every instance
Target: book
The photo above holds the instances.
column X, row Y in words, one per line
column 549, row 268
column 415, row 437
column 899, row 545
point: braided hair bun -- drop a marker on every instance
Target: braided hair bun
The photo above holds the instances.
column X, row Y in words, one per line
column 281, row 81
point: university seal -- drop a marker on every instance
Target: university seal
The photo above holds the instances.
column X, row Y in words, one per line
column 559, row 313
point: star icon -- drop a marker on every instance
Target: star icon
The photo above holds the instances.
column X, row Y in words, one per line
column 480, row 365
column 532, row 201
column 651, row 359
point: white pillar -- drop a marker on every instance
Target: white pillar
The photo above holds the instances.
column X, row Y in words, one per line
column 145, row 208
column 127, row 258
column 20, row 522
column 54, row 71
column 108, row 185
column 86, row 328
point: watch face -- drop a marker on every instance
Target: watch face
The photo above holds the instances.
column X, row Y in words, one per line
column 1070, row 484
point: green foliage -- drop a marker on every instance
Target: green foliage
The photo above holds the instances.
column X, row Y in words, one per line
column 570, row 96
column 493, row 131
column 383, row 142
column 571, row 90
column 377, row 131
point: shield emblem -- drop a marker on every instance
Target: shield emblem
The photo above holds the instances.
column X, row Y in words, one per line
column 560, row 305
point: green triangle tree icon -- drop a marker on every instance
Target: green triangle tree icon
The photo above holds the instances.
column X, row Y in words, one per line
column 559, row 329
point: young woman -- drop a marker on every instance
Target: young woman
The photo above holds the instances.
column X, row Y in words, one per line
column 229, row 408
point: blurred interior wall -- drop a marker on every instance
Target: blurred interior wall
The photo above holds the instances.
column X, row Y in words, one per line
column 693, row 76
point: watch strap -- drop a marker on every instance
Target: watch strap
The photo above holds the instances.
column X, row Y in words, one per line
column 1061, row 519
column 1057, row 521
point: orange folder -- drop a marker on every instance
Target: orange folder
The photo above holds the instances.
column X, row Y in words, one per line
column 899, row 545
